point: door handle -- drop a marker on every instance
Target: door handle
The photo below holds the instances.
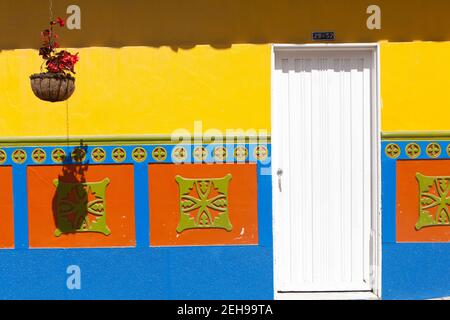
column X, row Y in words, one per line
column 279, row 174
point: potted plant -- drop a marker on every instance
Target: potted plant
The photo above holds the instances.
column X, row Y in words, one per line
column 57, row 83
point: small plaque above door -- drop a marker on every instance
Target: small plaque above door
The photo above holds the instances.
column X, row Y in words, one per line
column 317, row 36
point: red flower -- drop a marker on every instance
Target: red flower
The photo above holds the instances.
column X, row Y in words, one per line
column 74, row 58
column 53, row 67
column 56, row 61
column 60, row 21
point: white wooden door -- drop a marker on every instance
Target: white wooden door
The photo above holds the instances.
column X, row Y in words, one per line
column 323, row 181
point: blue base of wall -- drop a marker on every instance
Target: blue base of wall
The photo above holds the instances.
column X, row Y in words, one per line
column 416, row 271
column 153, row 273
column 410, row 270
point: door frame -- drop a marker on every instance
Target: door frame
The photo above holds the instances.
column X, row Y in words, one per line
column 375, row 237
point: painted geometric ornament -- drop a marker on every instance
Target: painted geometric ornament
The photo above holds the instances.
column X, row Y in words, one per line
column 433, row 150
column 139, row 154
column 392, row 150
column 434, row 201
column 179, row 154
column 98, row 154
column 19, row 156
column 204, row 203
column 78, row 155
column 80, row 207
column 38, row 155
column 2, row 156
column 58, row 155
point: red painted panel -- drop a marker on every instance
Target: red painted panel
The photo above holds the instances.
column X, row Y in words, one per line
column 217, row 193
column 44, row 204
column 420, row 216
column 6, row 208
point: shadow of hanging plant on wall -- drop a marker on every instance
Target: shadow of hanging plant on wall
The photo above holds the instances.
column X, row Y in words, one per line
column 78, row 205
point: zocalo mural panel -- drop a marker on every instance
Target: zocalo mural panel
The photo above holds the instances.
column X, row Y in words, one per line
column 89, row 205
column 415, row 216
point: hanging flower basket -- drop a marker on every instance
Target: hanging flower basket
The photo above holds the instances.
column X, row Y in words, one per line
column 52, row 87
column 57, row 83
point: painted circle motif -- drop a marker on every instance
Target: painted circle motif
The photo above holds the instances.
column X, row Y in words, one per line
column 413, row 150
column 2, row 156
column 19, row 156
column 261, row 153
column 179, row 154
column 220, row 153
column 58, row 155
column 38, row 155
column 448, row 149
column 200, row 153
column 119, row 154
column 98, row 154
column 139, row 154
column 392, row 150
column 240, row 153
column 159, row 154
column 433, row 150
column 78, row 154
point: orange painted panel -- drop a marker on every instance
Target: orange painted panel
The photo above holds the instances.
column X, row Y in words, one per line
column 410, row 200
column 6, row 208
column 118, row 205
column 229, row 193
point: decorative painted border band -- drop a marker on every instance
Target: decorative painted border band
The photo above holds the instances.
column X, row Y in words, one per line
column 158, row 153
column 416, row 149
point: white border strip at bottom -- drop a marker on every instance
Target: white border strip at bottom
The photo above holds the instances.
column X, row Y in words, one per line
column 326, row 296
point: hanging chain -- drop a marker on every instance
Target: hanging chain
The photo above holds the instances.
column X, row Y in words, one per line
column 50, row 3
column 67, row 125
column 50, row 9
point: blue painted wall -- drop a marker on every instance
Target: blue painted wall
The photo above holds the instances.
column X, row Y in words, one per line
column 217, row 272
column 410, row 270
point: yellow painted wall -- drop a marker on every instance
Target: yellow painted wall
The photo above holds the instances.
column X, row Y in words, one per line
column 415, row 86
column 141, row 90
column 151, row 66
